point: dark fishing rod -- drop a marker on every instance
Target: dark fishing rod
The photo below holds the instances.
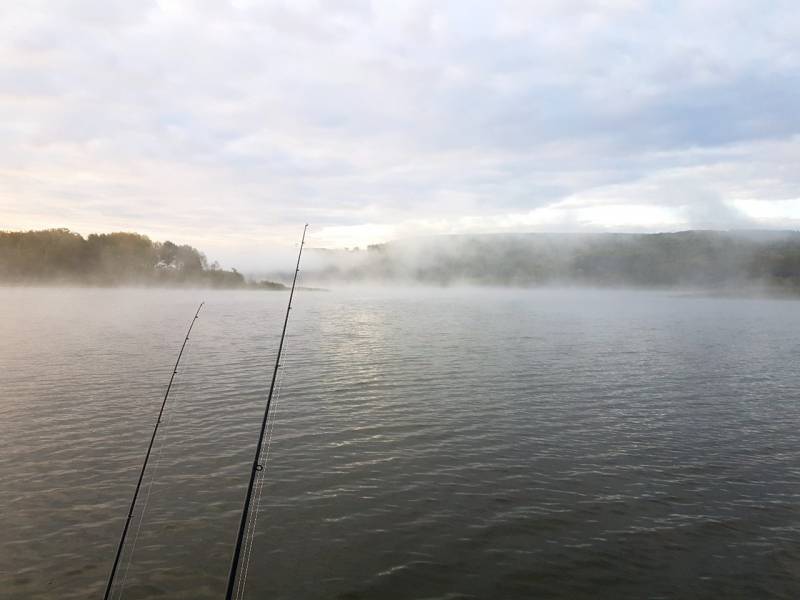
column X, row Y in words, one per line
column 256, row 467
column 146, row 458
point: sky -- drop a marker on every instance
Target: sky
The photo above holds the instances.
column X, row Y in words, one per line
column 228, row 125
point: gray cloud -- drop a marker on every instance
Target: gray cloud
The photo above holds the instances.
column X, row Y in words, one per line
column 228, row 124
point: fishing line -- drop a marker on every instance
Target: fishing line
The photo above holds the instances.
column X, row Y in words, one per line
column 251, row 527
column 124, row 534
column 256, row 467
column 251, row 534
column 164, row 439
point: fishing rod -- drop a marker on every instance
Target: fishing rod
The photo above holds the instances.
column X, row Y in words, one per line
column 256, row 466
column 146, row 458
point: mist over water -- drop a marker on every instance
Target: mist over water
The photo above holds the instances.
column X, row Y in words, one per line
column 429, row 443
column 738, row 261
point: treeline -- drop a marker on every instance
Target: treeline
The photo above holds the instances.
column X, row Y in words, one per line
column 63, row 256
column 707, row 259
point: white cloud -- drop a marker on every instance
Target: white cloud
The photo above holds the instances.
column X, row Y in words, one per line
column 227, row 124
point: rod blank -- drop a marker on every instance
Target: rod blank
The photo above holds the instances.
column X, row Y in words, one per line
column 256, row 467
column 147, row 458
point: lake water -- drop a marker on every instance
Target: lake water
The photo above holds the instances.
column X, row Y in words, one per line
column 428, row 444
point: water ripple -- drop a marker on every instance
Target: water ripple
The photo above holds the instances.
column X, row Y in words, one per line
column 442, row 444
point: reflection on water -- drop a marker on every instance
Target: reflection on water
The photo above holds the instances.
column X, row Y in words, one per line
column 430, row 444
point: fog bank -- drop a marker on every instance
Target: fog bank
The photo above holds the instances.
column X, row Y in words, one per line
column 690, row 259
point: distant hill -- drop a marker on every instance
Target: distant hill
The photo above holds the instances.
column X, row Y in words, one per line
column 705, row 259
column 62, row 256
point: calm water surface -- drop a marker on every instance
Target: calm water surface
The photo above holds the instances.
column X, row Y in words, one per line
column 429, row 444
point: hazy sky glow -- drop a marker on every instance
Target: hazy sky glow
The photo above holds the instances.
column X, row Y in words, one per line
column 229, row 125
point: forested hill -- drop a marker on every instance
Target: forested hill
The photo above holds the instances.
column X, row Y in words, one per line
column 62, row 256
column 699, row 259
column 707, row 259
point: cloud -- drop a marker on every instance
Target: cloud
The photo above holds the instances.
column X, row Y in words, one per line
column 229, row 125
